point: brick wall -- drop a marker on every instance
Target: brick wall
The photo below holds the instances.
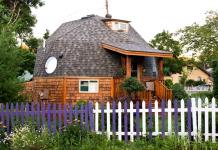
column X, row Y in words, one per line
column 56, row 89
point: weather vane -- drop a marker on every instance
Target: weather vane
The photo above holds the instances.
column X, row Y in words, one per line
column 107, row 10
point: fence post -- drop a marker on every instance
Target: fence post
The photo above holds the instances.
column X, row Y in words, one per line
column 163, row 117
column 91, row 119
column 150, row 119
column 213, row 120
column 114, row 118
column 108, row 121
column 189, row 119
column 119, row 121
column 81, row 115
column 194, row 120
column 96, row 117
column 137, row 120
column 49, row 117
column 176, row 117
column 169, row 110
column 38, row 116
column 182, row 118
column 102, row 117
column 59, row 117
column 7, row 118
column 12, row 115
column 156, row 117
column 206, row 120
column 199, row 118
column 131, row 122
column 54, row 118
column 125, row 122
column 143, row 119
column 2, row 114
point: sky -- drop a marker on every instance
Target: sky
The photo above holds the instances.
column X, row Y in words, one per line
column 148, row 17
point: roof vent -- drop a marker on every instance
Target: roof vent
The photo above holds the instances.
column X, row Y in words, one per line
column 88, row 16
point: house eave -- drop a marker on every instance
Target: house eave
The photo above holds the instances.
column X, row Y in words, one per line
column 136, row 53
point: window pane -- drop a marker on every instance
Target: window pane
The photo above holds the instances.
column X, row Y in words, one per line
column 84, row 83
column 84, row 88
column 93, row 86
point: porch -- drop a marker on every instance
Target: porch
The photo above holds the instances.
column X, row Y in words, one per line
column 134, row 64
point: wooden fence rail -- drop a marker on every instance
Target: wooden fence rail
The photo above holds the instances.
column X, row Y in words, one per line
column 195, row 118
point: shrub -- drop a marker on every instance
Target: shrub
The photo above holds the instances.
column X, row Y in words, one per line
column 203, row 95
column 132, row 85
column 27, row 138
column 169, row 83
column 191, row 82
column 179, row 92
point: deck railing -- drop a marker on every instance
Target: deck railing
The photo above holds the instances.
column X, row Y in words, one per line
column 161, row 91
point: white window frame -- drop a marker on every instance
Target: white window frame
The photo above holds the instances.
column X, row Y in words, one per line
column 116, row 26
column 88, row 85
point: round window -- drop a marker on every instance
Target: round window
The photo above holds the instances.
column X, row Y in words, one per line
column 51, row 65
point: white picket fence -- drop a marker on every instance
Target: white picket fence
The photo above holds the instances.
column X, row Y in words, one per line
column 200, row 110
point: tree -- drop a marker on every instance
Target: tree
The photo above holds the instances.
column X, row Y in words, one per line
column 179, row 92
column 165, row 41
column 9, row 68
column 46, row 34
column 33, row 43
column 202, row 39
column 18, row 13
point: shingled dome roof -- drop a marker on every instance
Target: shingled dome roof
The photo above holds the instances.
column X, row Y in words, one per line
column 77, row 45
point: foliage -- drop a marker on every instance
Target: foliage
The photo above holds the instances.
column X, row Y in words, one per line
column 191, row 82
column 202, row 39
column 26, row 138
column 9, row 66
column 179, row 92
column 18, row 13
column 203, row 95
column 215, row 78
column 132, row 85
column 33, row 43
column 165, row 41
column 27, row 61
column 46, row 34
column 169, row 83
column 183, row 78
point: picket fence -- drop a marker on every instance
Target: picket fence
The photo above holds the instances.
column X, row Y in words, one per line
column 195, row 118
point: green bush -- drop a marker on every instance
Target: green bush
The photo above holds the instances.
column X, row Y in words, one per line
column 169, row 83
column 179, row 92
column 191, row 82
column 203, row 95
column 27, row 138
column 132, row 85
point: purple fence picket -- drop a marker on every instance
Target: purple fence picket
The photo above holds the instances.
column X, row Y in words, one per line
column 76, row 113
column 65, row 115
column 43, row 114
column 59, row 117
column 12, row 115
column 7, row 118
column 38, row 115
column 150, row 119
column 125, row 122
column 22, row 113
column 54, row 118
column 70, row 113
column 163, row 117
column 176, row 116
column 49, row 117
column 91, row 119
column 137, row 120
column 102, row 116
column 27, row 111
column 81, row 115
column 114, row 118
column 32, row 111
column 2, row 114
column 86, row 116
column 17, row 112
column 189, row 118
